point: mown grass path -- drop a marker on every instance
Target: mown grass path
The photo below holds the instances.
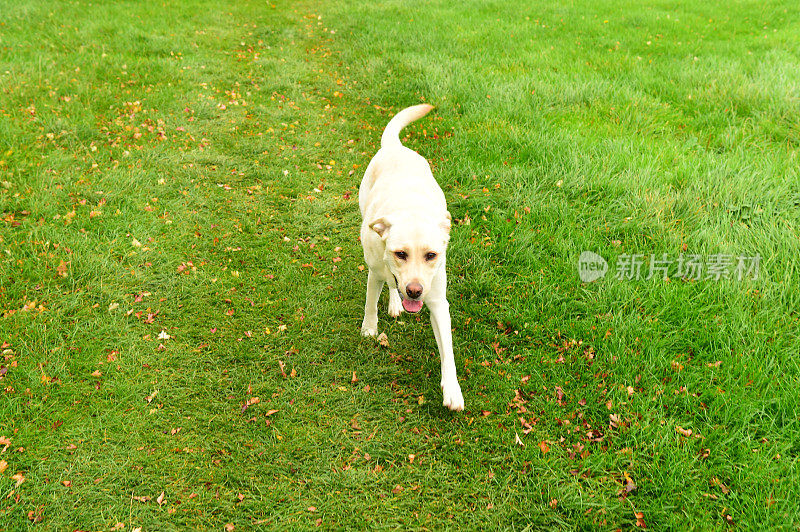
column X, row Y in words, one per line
column 182, row 285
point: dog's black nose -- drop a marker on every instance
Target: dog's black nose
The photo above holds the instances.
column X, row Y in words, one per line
column 414, row 290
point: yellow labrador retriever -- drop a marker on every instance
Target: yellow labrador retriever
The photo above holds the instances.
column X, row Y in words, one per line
column 404, row 232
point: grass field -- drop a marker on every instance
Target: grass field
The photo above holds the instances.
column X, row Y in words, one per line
column 181, row 282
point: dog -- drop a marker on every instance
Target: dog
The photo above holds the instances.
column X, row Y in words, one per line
column 404, row 233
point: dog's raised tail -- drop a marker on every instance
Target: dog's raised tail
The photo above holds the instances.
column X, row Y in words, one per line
column 391, row 135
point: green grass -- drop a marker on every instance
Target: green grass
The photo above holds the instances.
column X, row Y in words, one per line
column 228, row 141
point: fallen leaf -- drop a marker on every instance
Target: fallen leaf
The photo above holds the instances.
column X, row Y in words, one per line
column 3, row 466
column 160, row 499
column 544, row 447
column 383, row 340
column 61, row 270
column 717, row 482
column 517, row 440
column 682, row 431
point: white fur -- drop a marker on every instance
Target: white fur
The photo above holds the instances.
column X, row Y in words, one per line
column 404, row 210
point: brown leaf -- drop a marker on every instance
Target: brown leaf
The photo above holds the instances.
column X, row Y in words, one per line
column 544, row 447
column 517, row 440
column 3, row 466
column 61, row 270
column 682, row 431
column 640, row 520
column 383, row 339
column 160, row 499
column 270, row 412
column 717, row 482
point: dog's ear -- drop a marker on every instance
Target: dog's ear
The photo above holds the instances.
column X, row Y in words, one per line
column 446, row 223
column 381, row 226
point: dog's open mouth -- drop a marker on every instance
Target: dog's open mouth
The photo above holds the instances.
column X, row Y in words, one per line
column 411, row 305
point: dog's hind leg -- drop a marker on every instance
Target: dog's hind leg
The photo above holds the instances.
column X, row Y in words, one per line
column 395, row 304
column 369, row 327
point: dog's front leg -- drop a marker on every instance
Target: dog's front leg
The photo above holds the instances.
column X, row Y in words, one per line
column 440, row 321
column 369, row 327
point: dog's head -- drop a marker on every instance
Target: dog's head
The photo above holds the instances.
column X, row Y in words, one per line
column 414, row 250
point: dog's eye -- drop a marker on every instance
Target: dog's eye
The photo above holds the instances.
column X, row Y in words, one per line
column 430, row 255
column 402, row 255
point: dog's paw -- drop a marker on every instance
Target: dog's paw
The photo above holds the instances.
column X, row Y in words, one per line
column 369, row 331
column 451, row 397
column 395, row 304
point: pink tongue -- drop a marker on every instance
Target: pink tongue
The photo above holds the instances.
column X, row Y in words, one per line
column 412, row 306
